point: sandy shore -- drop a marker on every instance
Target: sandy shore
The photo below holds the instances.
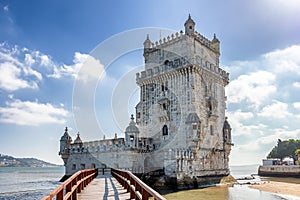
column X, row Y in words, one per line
column 279, row 188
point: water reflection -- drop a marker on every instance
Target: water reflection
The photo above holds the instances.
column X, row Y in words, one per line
column 234, row 192
column 243, row 192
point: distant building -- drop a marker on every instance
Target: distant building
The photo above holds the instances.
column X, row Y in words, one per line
column 271, row 161
column 180, row 126
column 288, row 161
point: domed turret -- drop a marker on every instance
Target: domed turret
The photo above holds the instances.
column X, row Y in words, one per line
column 132, row 126
column 131, row 134
column 78, row 141
column 65, row 142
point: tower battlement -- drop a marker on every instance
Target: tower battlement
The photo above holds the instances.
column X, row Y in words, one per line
column 170, row 39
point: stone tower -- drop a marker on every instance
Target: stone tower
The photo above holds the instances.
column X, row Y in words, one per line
column 182, row 104
column 180, row 129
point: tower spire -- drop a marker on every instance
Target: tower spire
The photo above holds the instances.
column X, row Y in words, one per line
column 147, row 43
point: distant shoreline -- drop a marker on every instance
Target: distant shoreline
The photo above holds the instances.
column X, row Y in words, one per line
column 50, row 166
column 278, row 188
column 10, row 161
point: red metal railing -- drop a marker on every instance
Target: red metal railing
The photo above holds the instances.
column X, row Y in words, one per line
column 137, row 188
column 68, row 190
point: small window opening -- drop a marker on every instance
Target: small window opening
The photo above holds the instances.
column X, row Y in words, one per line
column 164, row 106
column 131, row 138
column 195, row 126
column 82, row 166
column 165, row 130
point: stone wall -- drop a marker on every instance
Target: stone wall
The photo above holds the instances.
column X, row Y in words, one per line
column 279, row 170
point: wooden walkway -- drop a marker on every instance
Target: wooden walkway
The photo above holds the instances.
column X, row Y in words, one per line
column 104, row 187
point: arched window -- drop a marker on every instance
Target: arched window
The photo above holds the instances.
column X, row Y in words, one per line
column 164, row 106
column 166, row 62
column 165, row 130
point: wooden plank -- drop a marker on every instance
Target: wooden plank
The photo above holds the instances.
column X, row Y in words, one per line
column 104, row 187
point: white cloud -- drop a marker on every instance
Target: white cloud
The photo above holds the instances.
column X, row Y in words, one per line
column 277, row 110
column 238, row 114
column 253, row 88
column 45, row 60
column 84, row 67
column 70, row 70
column 28, row 67
column 10, row 78
column 285, row 60
column 23, row 68
column 257, row 120
column 296, row 84
column 29, row 71
column 29, row 60
column 31, row 113
column 238, row 120
column 7, row 55
column 296, row 105
column 259, row 147
column 16, row 72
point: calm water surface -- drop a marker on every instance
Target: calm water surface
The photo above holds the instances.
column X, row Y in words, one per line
column 28, row 183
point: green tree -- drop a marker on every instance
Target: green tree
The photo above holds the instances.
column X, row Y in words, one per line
column 297, row 152
column 285, row 148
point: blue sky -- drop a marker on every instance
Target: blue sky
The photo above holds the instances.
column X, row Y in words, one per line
column 43, row 45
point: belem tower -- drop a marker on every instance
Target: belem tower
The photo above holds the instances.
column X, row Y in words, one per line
column 180, row 128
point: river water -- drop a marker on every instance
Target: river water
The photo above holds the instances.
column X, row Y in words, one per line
column 34, row 183
column 25, row 183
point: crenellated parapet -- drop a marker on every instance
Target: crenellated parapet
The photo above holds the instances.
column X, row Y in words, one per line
column 98, row 146
column 179, row 36
column 166, row 41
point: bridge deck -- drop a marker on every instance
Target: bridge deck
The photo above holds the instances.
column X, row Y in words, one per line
column 104, row 187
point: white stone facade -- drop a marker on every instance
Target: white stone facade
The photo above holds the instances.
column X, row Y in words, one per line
column 180, row 122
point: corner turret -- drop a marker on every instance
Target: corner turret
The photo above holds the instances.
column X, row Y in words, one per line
column 65, row 143
column 78, row 141
column 189, row 26
column 216, row 44
column 147, row 43
column 147, row 46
